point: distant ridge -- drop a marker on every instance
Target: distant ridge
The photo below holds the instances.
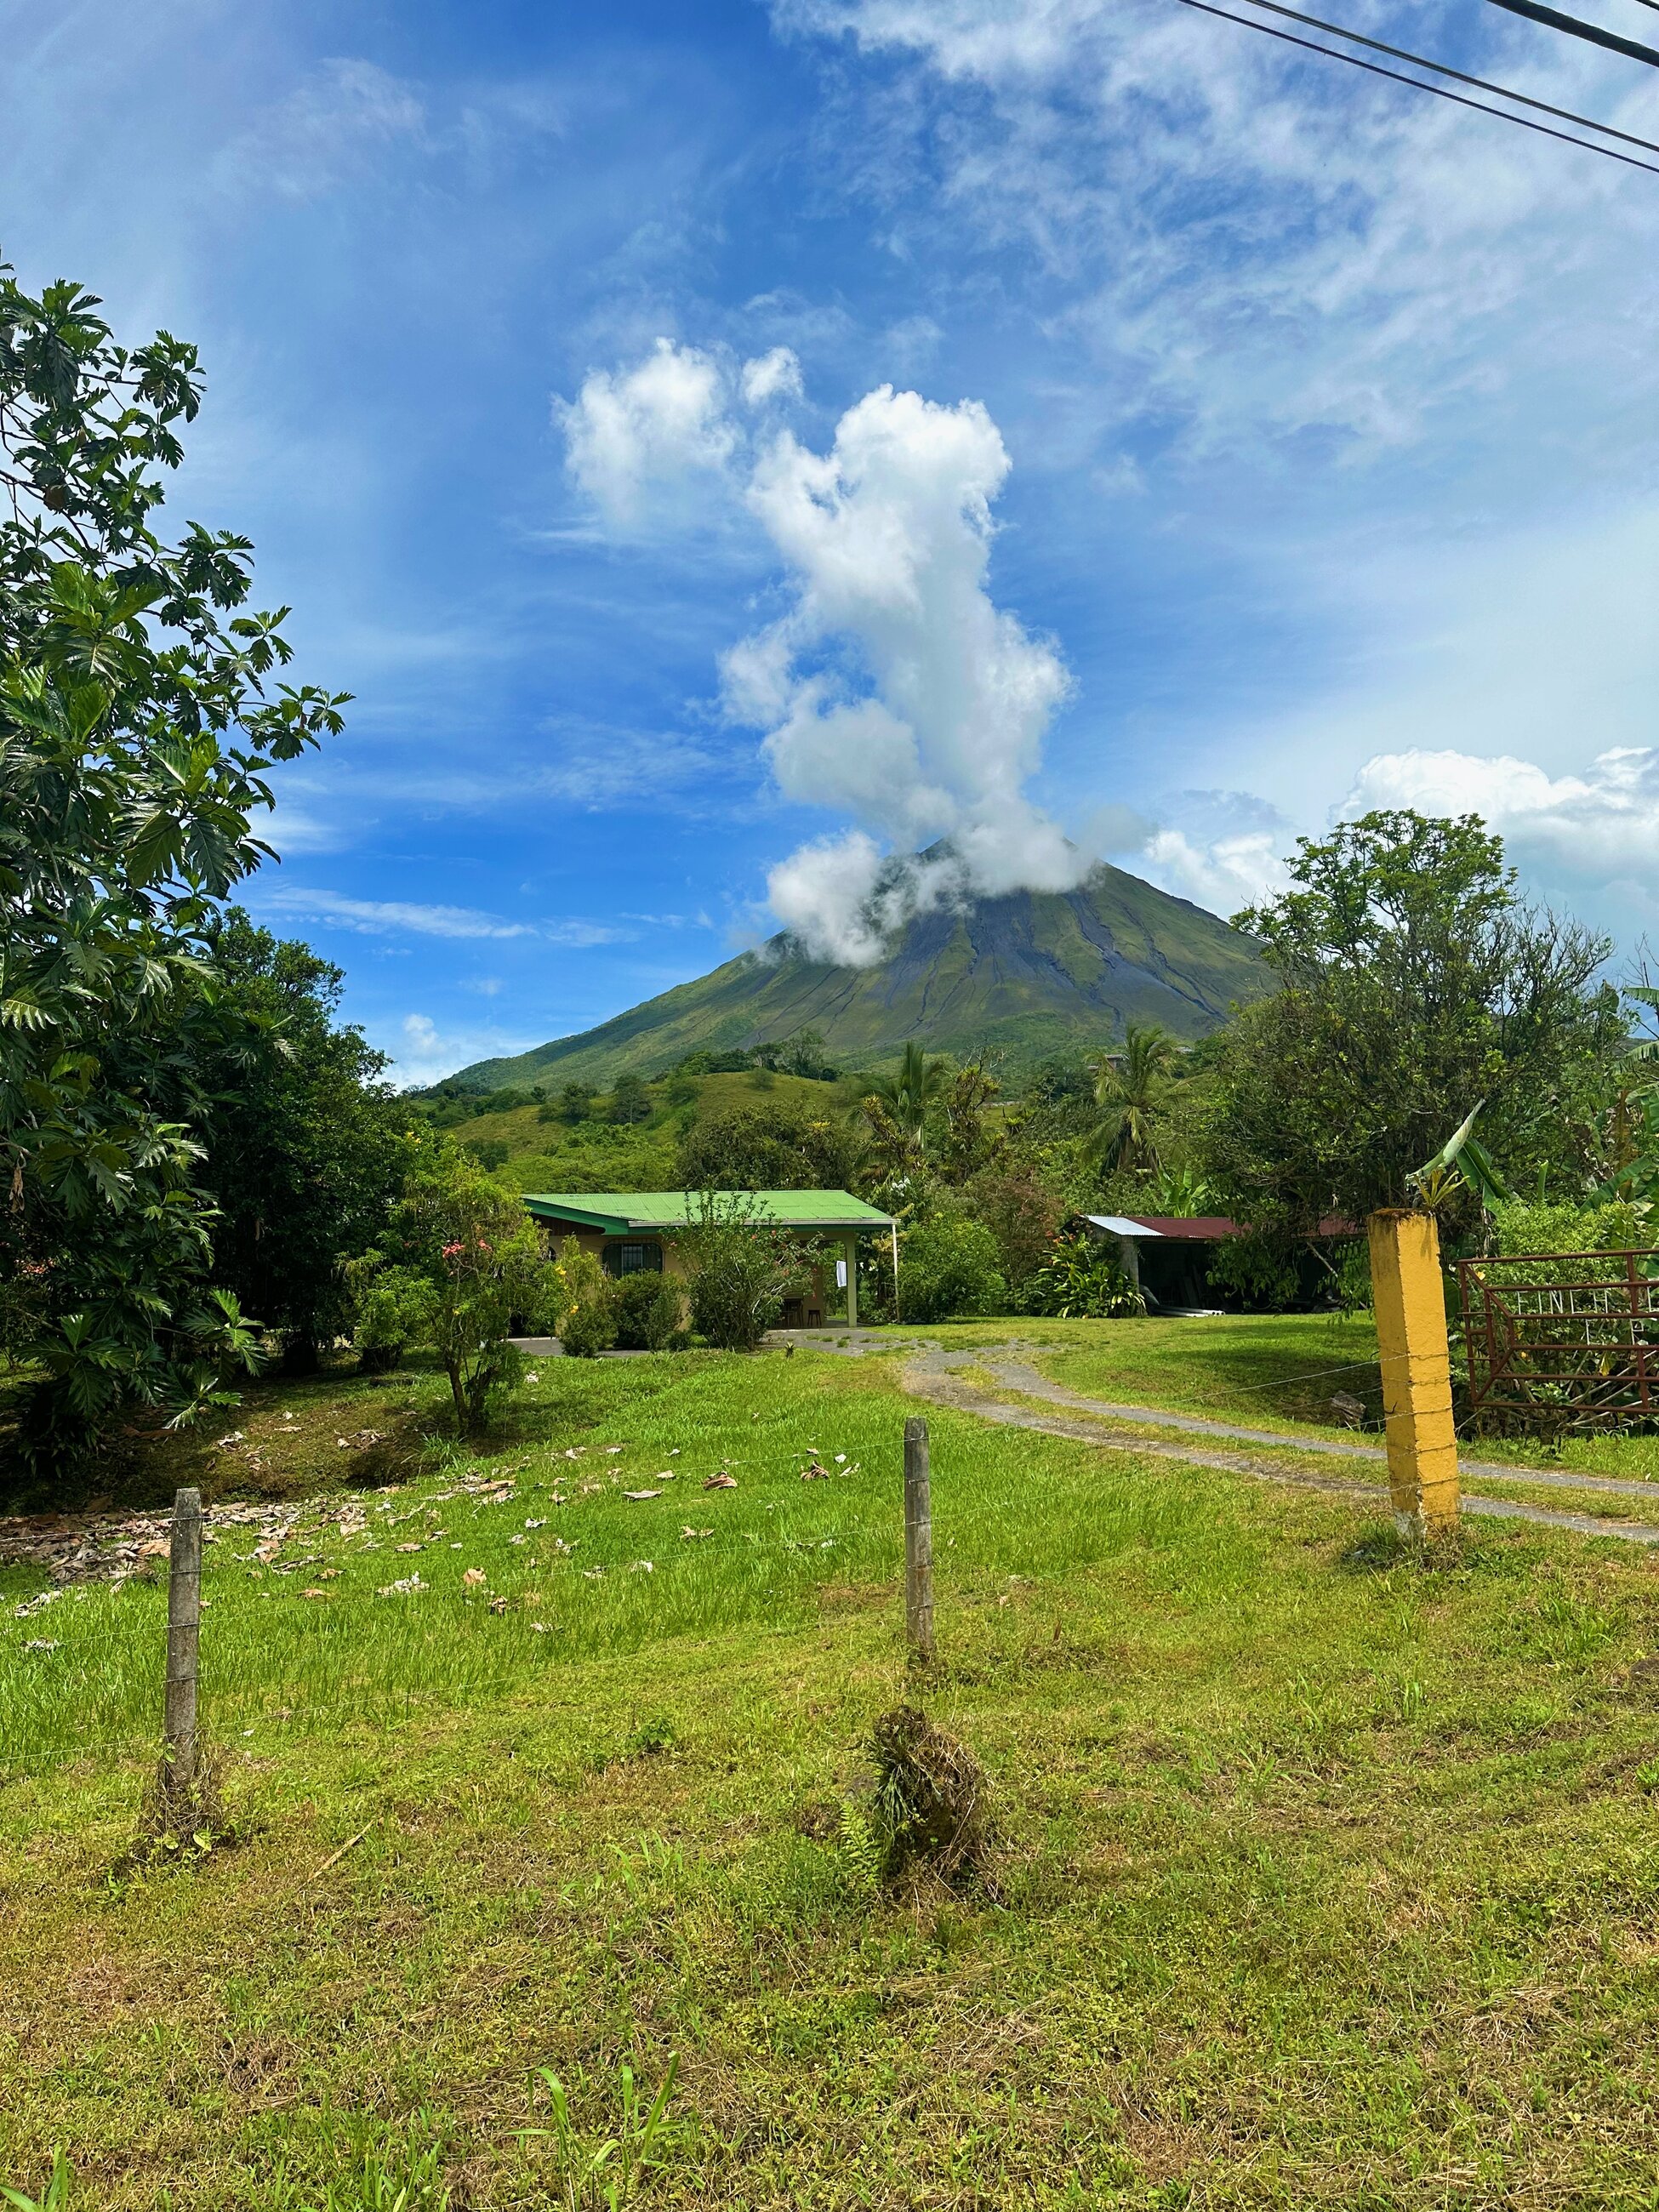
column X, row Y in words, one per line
column 1029, row 973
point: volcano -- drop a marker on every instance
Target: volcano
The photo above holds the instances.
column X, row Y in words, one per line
column 1025, row 975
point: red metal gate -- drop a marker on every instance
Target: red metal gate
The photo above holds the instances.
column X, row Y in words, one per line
column 1558, row 1341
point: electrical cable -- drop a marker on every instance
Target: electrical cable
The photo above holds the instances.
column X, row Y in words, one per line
column 1482, row 84
column 1439, row 92
column 1553, row 20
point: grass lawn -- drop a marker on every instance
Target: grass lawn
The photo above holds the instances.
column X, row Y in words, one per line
column 1266, row 1370
column 1328, row 1879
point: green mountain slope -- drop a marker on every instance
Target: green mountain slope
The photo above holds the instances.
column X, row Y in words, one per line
column 1032, row 973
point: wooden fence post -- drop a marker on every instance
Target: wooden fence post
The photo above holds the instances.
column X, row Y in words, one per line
column 1416, row 1362
column 918, row 1544
column 179, row 1771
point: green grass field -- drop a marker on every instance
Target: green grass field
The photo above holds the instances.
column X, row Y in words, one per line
column 1327, row 1879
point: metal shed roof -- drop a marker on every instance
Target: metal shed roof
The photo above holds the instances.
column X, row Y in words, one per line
column 623, row 1213
column 1198, row 1228
column 1194, row 1229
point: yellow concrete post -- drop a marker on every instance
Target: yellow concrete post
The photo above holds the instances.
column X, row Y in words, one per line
column 1411, row 1343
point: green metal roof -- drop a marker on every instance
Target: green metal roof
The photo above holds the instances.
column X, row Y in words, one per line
column 618, row 1213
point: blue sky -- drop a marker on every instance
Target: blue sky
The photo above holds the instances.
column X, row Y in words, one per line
column 719, row 445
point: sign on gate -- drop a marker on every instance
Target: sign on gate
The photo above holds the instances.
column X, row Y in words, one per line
column 1559, row 1341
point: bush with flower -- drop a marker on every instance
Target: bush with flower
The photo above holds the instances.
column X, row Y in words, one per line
column 462, row 1264
column 584, row 1302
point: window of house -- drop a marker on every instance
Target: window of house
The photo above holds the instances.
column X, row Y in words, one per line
column 633, row 1259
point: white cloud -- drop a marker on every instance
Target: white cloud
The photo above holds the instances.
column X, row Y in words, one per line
column 845, row 900
column 292, row 829
column 894, row 689
column 1587, row 839
column 1221, row 849
column 774, row 375
column 648, row 430
column 823, row 894
column 608, row 767
column 1595, row 831
column 420, row 1053
column 402, row 917
column 987, row 39
column 1514, row 676
column 585, row 933
column 387, row 917
column 347, row 114
column 1249, row 246
column 1223, row 875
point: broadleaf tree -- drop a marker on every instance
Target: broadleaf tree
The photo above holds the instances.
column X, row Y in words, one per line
column 1415, row 984
column 307, row 1144
column 140, row 710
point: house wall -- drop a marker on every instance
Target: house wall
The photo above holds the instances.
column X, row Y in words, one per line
column 554, row 1234
column 815, row 1308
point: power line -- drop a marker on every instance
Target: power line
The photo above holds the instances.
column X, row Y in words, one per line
column 1536, row 13
column 1399, row 53
column 1439, row 92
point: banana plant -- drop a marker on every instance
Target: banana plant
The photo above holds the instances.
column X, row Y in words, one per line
column 1646, row 1047
column 1461, row 1164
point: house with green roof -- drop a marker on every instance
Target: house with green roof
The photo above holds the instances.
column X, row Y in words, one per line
column 633, row 1229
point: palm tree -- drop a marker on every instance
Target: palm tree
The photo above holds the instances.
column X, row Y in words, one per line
column 1132, row 1089
column 907, row 1096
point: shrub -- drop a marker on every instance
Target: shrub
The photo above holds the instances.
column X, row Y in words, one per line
column 1350, row 1292
column 1179, row 1192
column 649, row 1312
column 584, row 1302
column 1259, row 1268
column 1612, row 1227
column 392, row 1308
column 805, row 1054
column 1082, row 1282
column 739, row 1270
column 477, row 1250
column 949, row 1265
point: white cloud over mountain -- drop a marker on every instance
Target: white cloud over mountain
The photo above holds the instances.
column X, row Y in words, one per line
column 1401, row 360
column 894, row 689
column 419, row 1052
column 891, row 691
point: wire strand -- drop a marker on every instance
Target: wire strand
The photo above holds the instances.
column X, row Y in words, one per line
column 1481, row 83
column 1439, row 92
column 1553, row 20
